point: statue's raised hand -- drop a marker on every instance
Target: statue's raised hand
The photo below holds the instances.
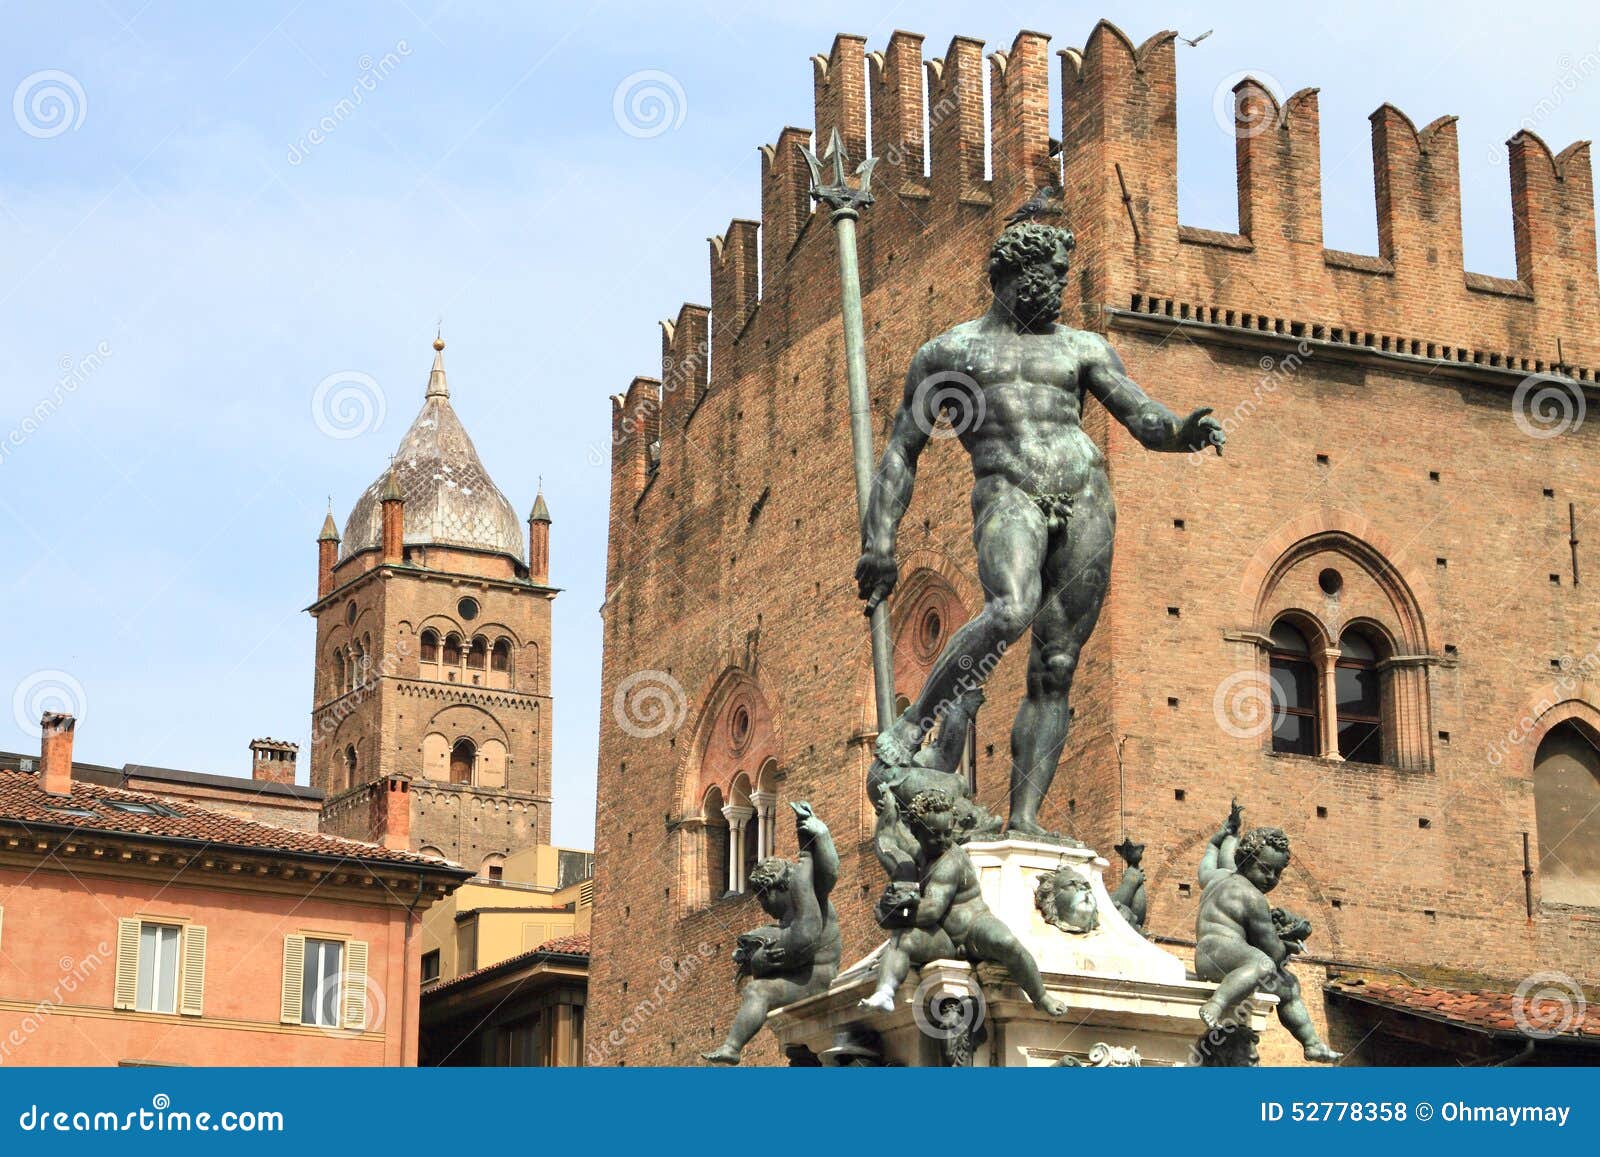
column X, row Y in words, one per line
column 1200, row 430
column 876, row 576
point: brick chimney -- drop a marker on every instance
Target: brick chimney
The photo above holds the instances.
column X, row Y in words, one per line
column 55, row 753
column 394, row 520
column 273, row 760
column 391, row 812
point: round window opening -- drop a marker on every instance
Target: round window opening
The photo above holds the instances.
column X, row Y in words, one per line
column 1331, row 581
column 350, row 612
column 932, row 627
column 467, row 609
column 739, row 726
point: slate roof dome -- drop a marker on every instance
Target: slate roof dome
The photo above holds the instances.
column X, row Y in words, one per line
column 450, row 500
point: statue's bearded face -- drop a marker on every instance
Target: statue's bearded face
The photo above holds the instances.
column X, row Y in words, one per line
column 1036, row 290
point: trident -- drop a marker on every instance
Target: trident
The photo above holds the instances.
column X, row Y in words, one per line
column 845, row 200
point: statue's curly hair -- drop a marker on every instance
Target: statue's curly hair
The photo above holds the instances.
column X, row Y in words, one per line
column 771, row 872
column 928, row 803
column 1026, row 243
column 1258, row 840
column 1051, row 886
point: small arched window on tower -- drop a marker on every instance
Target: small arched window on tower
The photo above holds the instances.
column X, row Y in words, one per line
column 463, row 758
column 478, row 657
column 500, row 663
column 452, row 655
column 1295, row 692
column 349, row 767
column 430, row 646
column 1360, row 697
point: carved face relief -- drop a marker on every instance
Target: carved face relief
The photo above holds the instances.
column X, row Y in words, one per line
column 1066, row 900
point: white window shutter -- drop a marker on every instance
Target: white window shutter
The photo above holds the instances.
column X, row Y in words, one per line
column 192, row 991
column 125, row 994
column 294, row 977
column 355, row 985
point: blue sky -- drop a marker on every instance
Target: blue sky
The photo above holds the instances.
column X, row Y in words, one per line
column 178, row 244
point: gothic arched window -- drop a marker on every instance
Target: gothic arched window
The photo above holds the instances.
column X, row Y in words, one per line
column 500, row 659
column 349, row 767
column 430, row 646
column 477, row 657
column 1296, row 691
column 1358, row 684
column 1566, row 797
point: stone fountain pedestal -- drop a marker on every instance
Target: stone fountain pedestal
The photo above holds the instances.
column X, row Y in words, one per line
column 1131, row 1001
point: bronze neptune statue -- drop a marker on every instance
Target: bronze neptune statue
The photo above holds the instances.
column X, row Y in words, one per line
column 1041, row 502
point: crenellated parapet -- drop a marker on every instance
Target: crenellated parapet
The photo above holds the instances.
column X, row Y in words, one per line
column 773, row 282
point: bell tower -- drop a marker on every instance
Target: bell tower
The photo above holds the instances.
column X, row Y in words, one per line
column 433, row 650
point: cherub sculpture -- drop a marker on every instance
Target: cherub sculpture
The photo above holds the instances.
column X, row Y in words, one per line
column 799, row 955
column 948, row 919
column 1241, row 942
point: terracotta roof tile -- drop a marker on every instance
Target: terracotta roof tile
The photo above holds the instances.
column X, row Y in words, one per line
column 574, row 945
column 1549, row 1010
column 24, row 801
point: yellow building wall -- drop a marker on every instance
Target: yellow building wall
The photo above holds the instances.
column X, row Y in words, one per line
column 505, row 917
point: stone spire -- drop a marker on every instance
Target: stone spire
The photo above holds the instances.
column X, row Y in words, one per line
column 437, row 386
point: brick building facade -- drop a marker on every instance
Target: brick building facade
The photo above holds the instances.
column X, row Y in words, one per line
column 1406, row 475
column 433, row 649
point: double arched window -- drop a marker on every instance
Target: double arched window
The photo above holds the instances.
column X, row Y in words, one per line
column 1314, row 686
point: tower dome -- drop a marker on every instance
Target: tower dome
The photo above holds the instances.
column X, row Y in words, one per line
column 450, row 499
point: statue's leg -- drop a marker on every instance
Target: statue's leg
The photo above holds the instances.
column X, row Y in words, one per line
column 751, row 1016
column 1075, row 574
column 1243, row 969
column 1294, row 1016
column 990, row 939
column 1009, row 534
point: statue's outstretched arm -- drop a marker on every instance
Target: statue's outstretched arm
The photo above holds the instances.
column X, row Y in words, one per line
column 1156, row 427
